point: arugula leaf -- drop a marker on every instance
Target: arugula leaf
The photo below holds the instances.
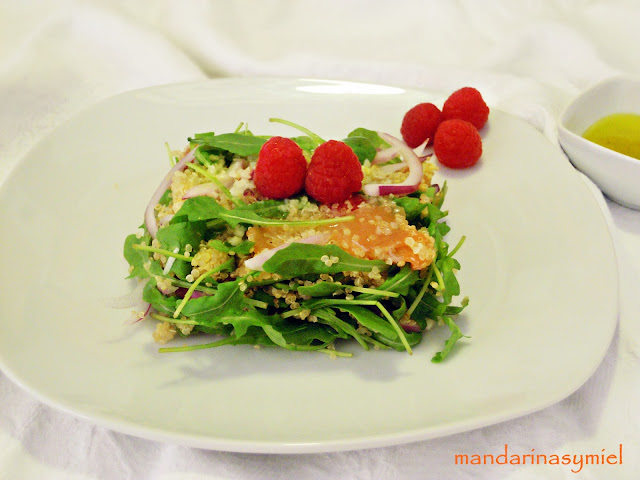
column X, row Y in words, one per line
column 370, row 320
column 243, row 248
column 374, row 139
column 305, row 142
column 207, row 310
column 413, row 338
column 137, row 258
column 244, row 325
column 252, row 319
column 306, row 333
column 364, row 143
column 179, row 235
column 438, row 197
column 227, row 306
column 205, row 208
column 456, row 334
column 435, row 214
column 399, row 312
column 430, row 307
column 344, row 329
column 166, row 198
column 362, row 147
column 447, row 265
column 236, row 143
column 268, row 208
column 162, row 303
column 300, row 336
column 314, row 304
column 398, row 283
column 237, row 216
column 201, row 138
column 302, row 259
column 197, row 209
column 412, row 207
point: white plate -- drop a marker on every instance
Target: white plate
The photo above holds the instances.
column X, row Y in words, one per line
column 538, row 265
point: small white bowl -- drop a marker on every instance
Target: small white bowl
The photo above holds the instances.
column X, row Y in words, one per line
column 617, row 175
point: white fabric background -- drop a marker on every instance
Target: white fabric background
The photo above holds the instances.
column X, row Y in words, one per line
column 527, row 57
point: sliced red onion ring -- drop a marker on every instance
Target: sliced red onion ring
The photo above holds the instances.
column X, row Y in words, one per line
column 255, row 263
column 396, row 189
column 204, row 189
column 149, row 214
column 422, row 152
column 385, row 155
column 164, row 220
column 425, row 156
column 411, row 183
column 181, row 292
column 410, row 327
column 135, row 318
column 394, row 167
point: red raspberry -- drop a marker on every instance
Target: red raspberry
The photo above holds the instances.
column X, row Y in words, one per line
column 457, row 144
column 420, row 123
column 334, row 173
column 466, row 104
column 281, row 168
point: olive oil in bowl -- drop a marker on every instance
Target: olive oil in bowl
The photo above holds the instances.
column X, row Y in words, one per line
column 619, row 132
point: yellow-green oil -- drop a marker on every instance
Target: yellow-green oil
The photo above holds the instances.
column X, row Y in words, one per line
column 618, row 131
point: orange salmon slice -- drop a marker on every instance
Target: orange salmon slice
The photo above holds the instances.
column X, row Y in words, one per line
column 376, row 233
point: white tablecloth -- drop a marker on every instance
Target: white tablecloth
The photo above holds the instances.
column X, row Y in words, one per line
column 528, row 58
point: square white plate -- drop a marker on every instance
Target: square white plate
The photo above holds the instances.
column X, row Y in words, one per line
column 538, row 266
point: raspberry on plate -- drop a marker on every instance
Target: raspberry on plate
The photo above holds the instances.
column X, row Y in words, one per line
column 281, row 169
column 457, row 144
column 420, row 123
column 466, row 104
column 334, row 173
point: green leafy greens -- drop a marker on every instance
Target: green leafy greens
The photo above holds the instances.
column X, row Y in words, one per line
column 305, row 297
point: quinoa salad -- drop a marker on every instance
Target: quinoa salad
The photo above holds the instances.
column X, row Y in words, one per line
column 298, row 243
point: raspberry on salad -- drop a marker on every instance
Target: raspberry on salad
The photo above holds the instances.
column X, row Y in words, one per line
column 466, row 104
column 281, row 168
column 334, row 173
column 420, row 123
column 457, row 144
